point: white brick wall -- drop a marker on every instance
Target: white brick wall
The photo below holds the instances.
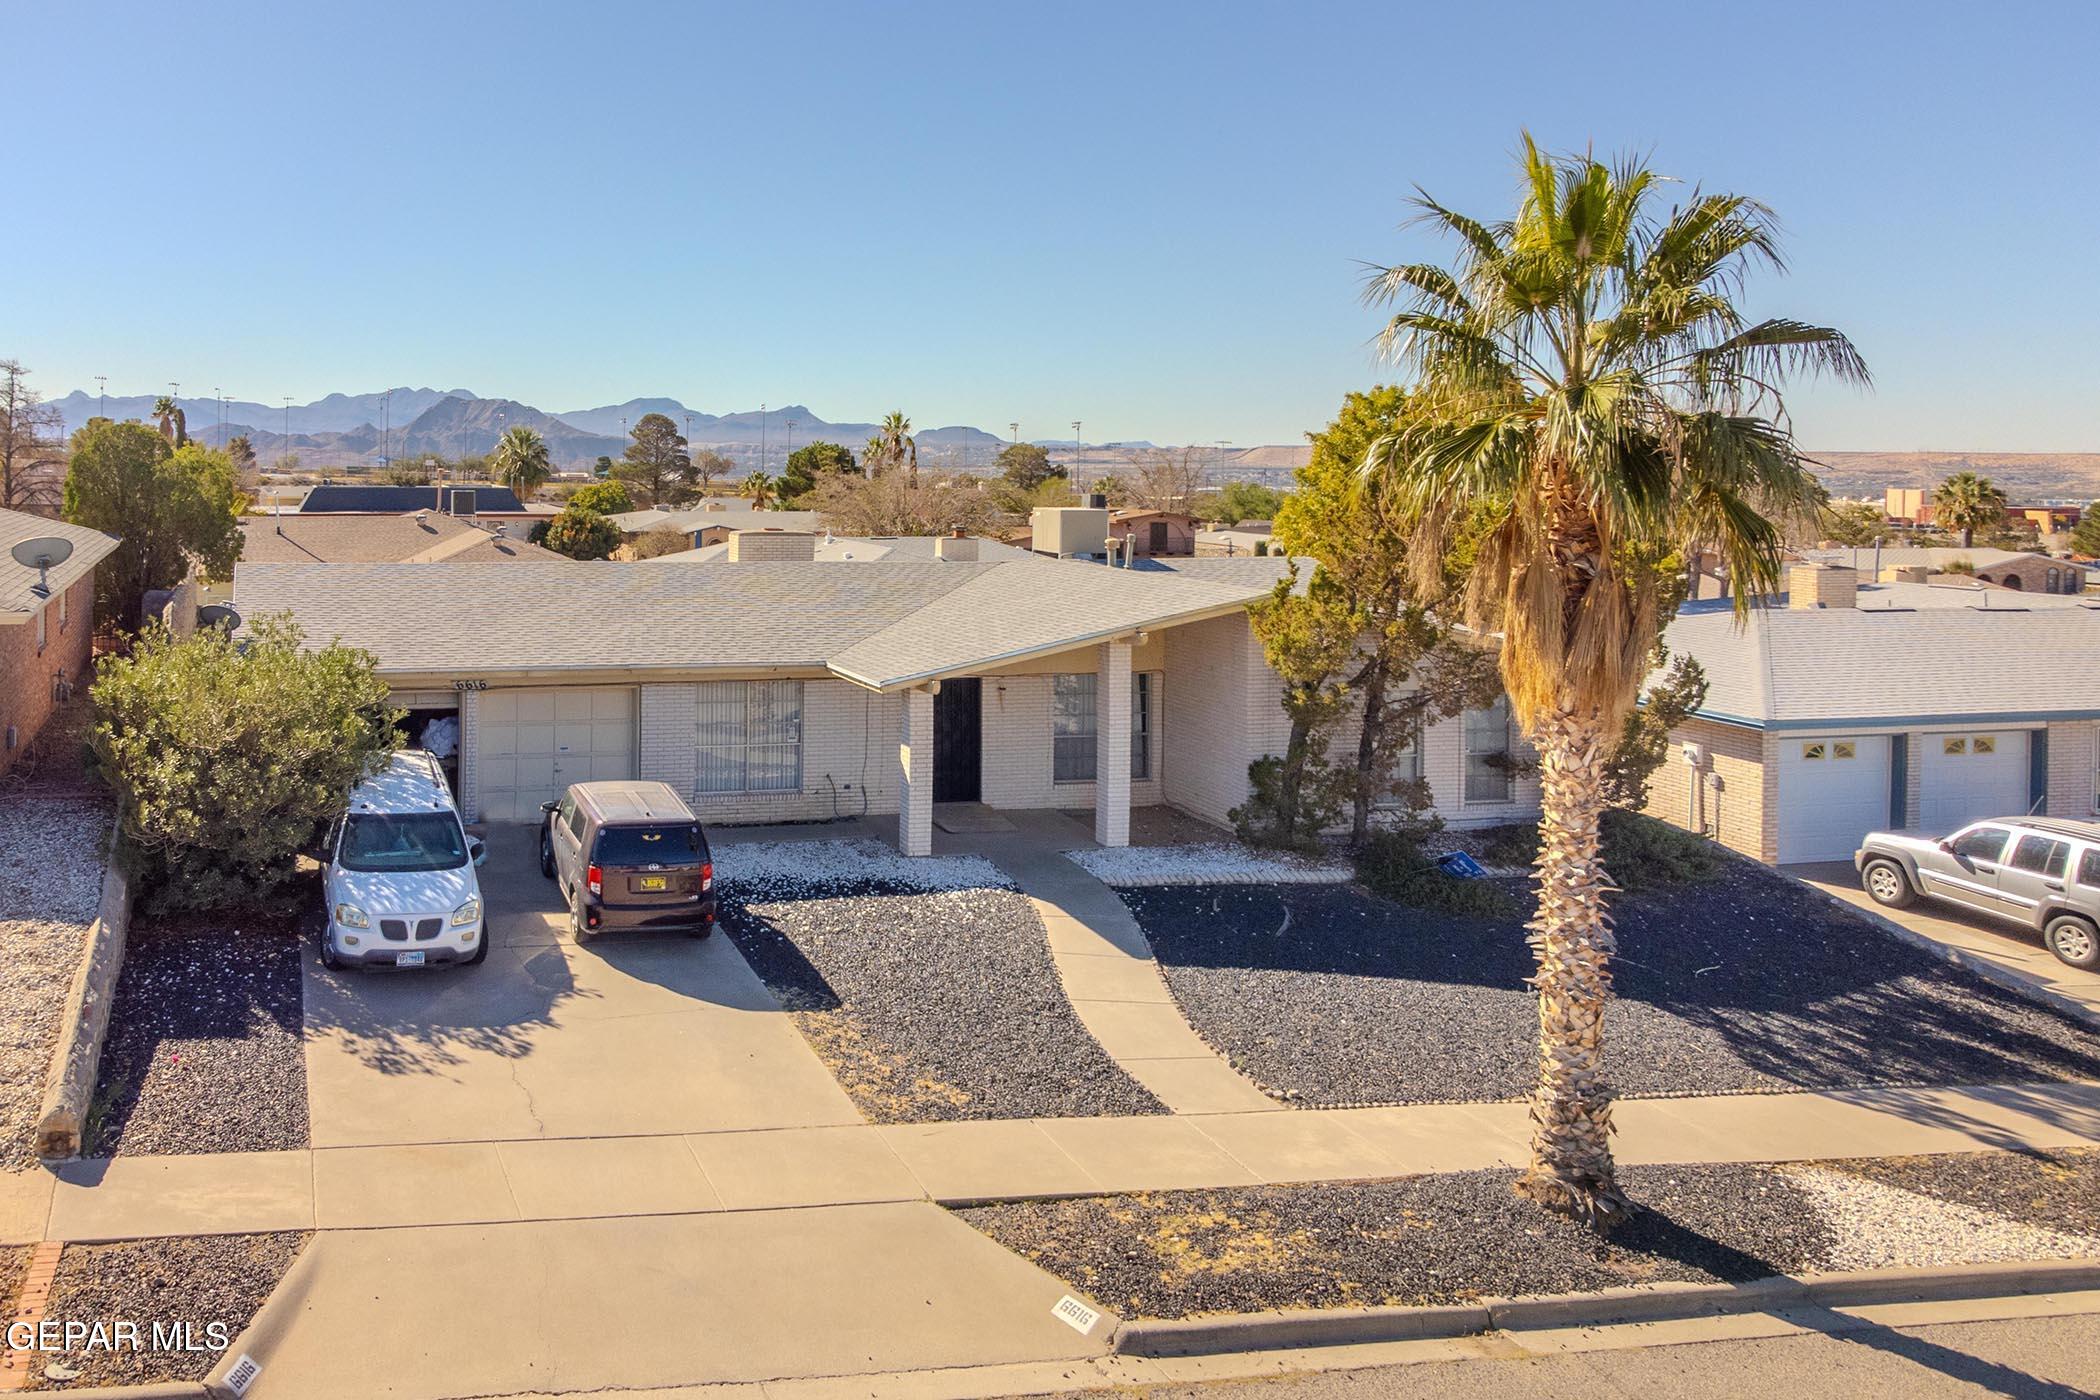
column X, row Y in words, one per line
column 1112, row 745
column 915, row 773
column 1018, row 770
column 2072, row 778
column 849, row 755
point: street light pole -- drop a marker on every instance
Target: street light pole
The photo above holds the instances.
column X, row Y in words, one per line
column 761, row 439
column 1078, row 450
column 284, row 450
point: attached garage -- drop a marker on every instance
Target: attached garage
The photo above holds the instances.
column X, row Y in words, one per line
column 1972, row 775
column 533, row 743
column 1833, row 789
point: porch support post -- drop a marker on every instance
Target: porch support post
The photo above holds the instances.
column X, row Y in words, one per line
column 915, row 773
column 1112, row 746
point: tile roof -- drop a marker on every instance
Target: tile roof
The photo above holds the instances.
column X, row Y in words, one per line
column 374, row 539
column 884, row 628
column 393, row 499
column 90, row 547
column 1792, row 669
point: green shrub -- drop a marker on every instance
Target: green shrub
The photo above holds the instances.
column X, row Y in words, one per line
column 1642, row 853
column 1392, row 865
column 228, row 758
column 1281, row 816
column 581, row 534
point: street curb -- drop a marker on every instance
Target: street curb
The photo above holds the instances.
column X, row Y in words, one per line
column 265, row 1331
column 2005, row 977
column 69, row 1086
column 152, row 1390
column 1272, row 1331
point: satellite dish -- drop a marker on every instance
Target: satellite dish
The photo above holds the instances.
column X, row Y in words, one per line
column 218, row 615
column 41, row 555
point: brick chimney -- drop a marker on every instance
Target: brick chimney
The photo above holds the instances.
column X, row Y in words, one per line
column 1906, row 573
column 772, row 546
column 1822, row 586
column 956, row 546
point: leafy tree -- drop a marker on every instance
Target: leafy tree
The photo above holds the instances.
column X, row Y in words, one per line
column 1852, row 523
column 29, row 453
column 2085, row 536
column 228, row 758
column 892, row 446
column 1965, row 503
column 1644, row 742
column 656, row 469
column 1166, row 479
column 707, row 465
column 1242, row 500
column 653, row 544
column 1591, row 390
column 602, row 468
column 1296, row 795
column 1027, row 466
column 411, row 471
column 808, row 465
column 172, row 507
column 898, row 503
column 604, row 497
column 581, row 534
column 522, row 462
column 240, row 455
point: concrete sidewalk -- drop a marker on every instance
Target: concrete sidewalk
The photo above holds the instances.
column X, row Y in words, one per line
column 667, row 1175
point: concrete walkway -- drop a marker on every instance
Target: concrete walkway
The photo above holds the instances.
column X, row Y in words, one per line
column 2005, row 952
column 543, row 1179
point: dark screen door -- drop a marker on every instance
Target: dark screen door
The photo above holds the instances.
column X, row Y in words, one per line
column 957, row 741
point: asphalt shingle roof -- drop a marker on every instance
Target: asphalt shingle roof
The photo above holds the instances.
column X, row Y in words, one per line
column 397, row 499
column 375, row 539
column 90, row 547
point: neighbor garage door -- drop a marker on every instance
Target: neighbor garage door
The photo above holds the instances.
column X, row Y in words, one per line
column 534, row 743
column 1832, row 791
column 1967, row 777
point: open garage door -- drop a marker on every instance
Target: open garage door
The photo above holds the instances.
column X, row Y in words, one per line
column 1833, row 790
column 1967, row 777
column 534, row 743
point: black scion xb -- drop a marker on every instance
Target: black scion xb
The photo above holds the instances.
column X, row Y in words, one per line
column 629, row 855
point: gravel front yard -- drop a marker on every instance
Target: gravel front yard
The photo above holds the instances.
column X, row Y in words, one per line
column 204, row 1049
column 199, row 1281
column 928, row 1003
column 1453, row 1238
column 50, row 885
column 1745, row 982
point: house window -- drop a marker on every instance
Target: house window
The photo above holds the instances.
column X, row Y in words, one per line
column 1074, row 731
column 1487, row 754
column 750, row 736
column 1954, row 745
column 2055, row 581
column 1407, row 771
column 1815, row 751
column 1984, row 743
column 1844, row 748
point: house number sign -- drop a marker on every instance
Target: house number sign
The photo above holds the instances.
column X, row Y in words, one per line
column 470, row 685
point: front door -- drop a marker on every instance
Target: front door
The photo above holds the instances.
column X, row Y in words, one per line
column 958, row 735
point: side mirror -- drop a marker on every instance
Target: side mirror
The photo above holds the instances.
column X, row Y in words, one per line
column 1947, row 847
column 548, row 807
column 478, row 849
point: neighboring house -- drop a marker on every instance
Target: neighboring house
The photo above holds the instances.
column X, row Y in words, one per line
column 1155, row 534
column 463, row 499
column 1847, row 707
column 711, row 523
column 1248, row 537
column 2030, row 573
column 423, row 538
column 46, row 642
column 768, row 685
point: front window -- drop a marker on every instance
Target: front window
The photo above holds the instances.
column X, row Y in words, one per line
column 750, row 736
column 402, row 842
column 1983, row 843
column 1487, row 746
column 1075, row 730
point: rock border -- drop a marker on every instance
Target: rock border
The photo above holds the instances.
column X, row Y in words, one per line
column 1268, row 1331
column 69, row 1088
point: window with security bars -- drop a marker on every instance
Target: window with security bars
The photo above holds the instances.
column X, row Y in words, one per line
column 1074, row 729
column 1487, row 744
column 750, row 736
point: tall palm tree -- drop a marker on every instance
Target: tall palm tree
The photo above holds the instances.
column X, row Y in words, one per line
column 761, row 489
column 173, row 426
column 1592, row 401
column 1965, row 501
column 892, row 445
column 521, row 461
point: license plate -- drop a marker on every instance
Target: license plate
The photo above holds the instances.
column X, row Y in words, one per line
column 651, row 882
column 408, row 960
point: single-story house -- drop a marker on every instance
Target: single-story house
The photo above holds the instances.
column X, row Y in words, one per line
column 769, row 685
column 1154, row 534
column 426, row 537
column 1847, row 707
column 865, row 549
column 2030, row 573
column 47, row 624
column 711, row 523
column 1247, row 537
column 462, row 499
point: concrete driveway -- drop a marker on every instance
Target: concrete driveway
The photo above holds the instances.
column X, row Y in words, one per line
column 633, row 1034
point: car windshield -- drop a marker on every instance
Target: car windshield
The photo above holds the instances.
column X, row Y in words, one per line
column 402, row 841
column 648, row 845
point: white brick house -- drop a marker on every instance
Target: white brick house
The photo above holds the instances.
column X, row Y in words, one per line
column 802, row 690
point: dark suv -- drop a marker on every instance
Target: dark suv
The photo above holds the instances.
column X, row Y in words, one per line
column 629, row 855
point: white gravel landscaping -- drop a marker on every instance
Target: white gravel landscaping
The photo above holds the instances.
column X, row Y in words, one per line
column 1209, row 863
column 800, row 869
column 50, row 885
column 1878, row 1226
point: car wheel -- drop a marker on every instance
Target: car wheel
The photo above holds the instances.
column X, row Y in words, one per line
column 546, row 853
column 1886, row 884
column 328, row 958
column 2074, row 941
column 701, row 932
column 481, row 948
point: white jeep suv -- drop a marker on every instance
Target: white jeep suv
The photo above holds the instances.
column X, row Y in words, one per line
column 398, row 873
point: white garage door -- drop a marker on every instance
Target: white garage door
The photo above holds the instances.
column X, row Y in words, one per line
column 1967, row 777
column 1832, row 791
column 534, row 743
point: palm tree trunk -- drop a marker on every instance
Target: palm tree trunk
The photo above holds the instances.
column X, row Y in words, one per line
column 1571, row 1162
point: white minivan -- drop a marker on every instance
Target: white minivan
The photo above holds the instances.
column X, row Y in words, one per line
column 398, row 873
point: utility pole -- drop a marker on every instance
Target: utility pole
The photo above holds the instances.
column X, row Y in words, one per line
column 761, row 439
column 386, row 433
column 284, row 450
column 102, row 396
column 1078, row 450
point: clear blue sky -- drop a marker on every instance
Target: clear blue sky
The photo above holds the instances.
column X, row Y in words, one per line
column 1147, row 217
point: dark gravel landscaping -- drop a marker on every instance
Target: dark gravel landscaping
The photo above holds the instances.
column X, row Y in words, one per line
column 1741, row 982
column 1463, row 1236
column 197, row 1281
column 932, row 1006
column 204, row 1050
